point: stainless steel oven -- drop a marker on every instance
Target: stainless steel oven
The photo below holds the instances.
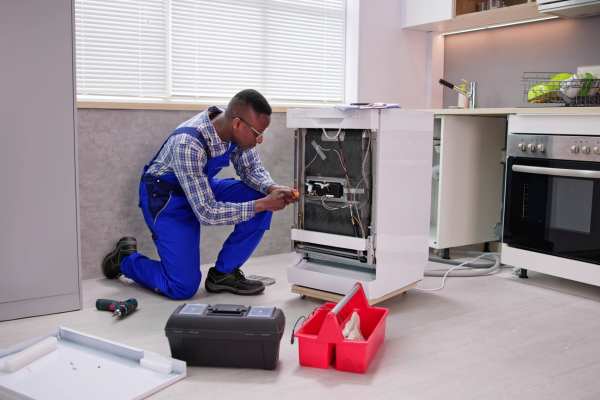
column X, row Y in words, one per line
column 551, row 220
column 552, row 202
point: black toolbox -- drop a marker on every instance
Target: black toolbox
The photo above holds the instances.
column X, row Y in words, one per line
column 226, row 335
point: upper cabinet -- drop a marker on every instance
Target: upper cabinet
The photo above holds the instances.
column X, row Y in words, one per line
column 456, row 15
column 419, row 12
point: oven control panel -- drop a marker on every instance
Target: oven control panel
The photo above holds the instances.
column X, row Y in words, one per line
column 563, row 147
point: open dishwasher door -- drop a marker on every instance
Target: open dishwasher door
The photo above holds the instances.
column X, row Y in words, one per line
column 364, row 177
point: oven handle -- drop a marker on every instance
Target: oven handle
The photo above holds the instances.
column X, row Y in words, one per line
column 572, row 173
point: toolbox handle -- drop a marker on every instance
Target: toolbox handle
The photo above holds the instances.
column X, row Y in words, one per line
column 346, row 299
column 227, row 309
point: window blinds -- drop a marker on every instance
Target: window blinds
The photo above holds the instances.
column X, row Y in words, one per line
column 121, row 47
column 197, row 50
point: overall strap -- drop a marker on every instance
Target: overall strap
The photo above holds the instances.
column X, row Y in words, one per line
column 184, row 129
column 231, row 149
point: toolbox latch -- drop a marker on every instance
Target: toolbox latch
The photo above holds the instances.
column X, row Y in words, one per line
column 227, row 309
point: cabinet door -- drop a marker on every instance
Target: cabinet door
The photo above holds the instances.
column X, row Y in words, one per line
column 38, row 216
column 469, row 193
column 418, row 12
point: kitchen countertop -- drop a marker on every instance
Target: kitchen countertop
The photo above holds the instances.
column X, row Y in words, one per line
column 516, row 110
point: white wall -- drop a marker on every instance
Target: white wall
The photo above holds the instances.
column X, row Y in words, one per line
column 395, row 65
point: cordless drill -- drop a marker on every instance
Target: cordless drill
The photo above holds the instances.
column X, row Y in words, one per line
column 120, row 309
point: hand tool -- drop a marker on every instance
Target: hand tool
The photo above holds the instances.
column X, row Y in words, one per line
column 120, row 309
column 295, row 194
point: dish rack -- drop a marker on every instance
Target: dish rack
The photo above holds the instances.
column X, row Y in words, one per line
column 563, row 88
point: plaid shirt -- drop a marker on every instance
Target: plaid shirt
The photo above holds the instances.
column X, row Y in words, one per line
column 186, row 157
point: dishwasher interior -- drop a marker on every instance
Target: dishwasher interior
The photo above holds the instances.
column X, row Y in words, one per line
column 334, row 171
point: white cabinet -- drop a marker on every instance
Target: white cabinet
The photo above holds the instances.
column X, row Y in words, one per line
column 419, row 12
column 467, row 180
column 458, row 15
column 39, row 243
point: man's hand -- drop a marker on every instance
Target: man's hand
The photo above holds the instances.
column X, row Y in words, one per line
column 279, row 196
column 291, row 195
column 274, row 201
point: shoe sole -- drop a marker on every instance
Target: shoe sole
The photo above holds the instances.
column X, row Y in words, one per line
column 129, row 242
column 106, row 260
column 216, row 288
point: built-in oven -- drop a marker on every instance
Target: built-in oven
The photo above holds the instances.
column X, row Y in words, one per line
column 552, row 197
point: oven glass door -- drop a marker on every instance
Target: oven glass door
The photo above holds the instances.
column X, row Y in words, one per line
column 553, row 207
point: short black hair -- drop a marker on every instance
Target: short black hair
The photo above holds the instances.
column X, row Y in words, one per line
column 251, row 98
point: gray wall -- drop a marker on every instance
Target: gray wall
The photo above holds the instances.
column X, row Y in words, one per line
column 113, row 147
column 497, row 58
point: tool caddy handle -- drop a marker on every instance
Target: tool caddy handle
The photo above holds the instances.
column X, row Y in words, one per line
column 346, row 299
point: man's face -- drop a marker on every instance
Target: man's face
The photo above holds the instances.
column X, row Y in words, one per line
column 248, row 129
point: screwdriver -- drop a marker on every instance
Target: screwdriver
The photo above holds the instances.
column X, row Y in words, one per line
column 295, row 194
column 120, row 309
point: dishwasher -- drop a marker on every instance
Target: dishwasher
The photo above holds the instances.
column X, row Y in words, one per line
column 364, row 177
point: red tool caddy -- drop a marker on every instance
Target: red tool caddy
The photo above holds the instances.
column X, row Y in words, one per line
column 321, row 342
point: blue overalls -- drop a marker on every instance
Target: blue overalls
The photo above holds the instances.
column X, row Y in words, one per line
column 176, row 230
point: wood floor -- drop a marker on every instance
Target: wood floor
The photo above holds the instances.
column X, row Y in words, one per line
column 495, row 337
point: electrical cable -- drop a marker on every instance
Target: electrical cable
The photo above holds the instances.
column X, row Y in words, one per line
column 330, row 208
column 300, row 318
column 358, row 218
column 311, row 161
column 305, row 318
column 363, row 179
column 336, row 137
column 362, row 169
column 495, row 268
column 315, row 157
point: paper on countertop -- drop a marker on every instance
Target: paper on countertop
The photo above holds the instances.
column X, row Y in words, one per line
column 365, row 106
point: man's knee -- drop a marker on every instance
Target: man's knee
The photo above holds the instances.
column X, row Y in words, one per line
column 263, row 220
column 183, row 280
column 260, row 222
column 255, row 195
column 183, row 291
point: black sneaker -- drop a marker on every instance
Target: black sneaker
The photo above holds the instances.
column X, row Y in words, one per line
column 111, row 265
column 234, row 282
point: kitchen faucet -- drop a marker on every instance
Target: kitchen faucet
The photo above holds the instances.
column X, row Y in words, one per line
column 470, row 94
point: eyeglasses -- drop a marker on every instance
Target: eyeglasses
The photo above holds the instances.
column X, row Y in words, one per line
column 256, row 132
